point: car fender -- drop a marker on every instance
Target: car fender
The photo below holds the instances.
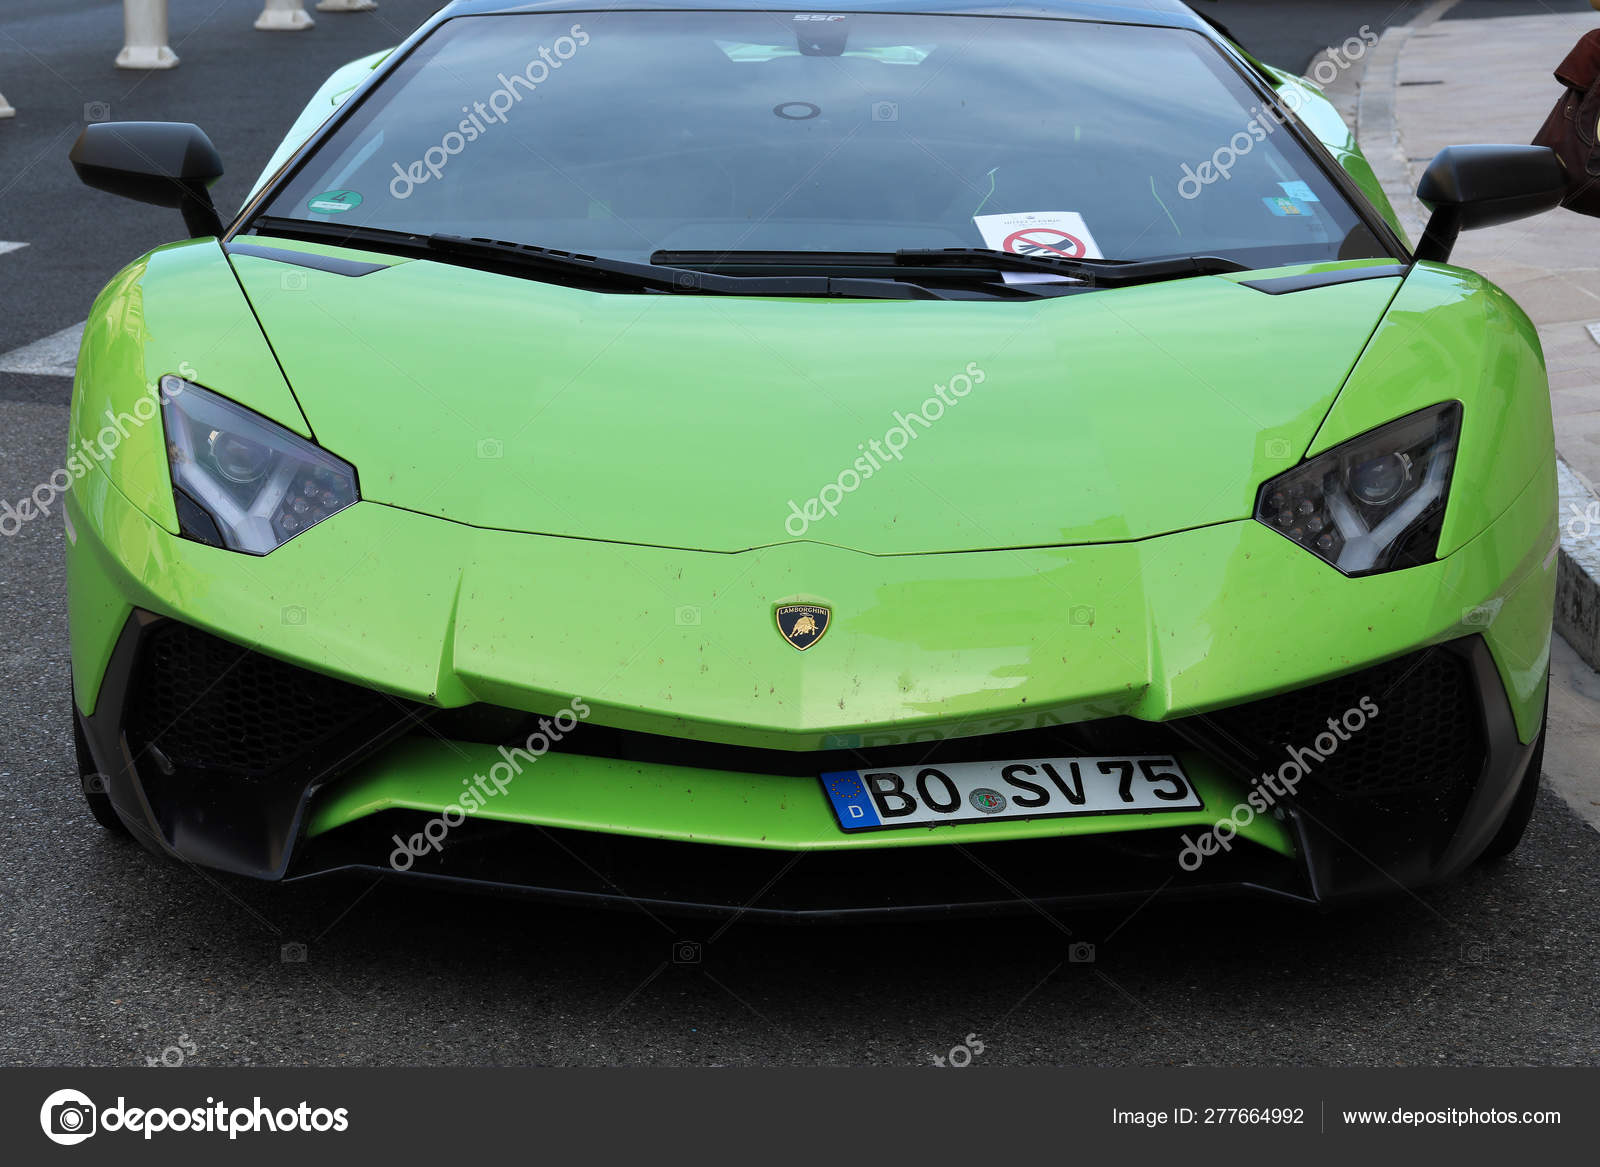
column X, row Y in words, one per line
column 177, row 310
column 1451, row 335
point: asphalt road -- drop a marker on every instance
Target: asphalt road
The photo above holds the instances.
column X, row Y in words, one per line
column 114, row 957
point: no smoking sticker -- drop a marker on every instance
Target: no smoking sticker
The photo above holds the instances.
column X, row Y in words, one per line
column 1046, row 241
column 1045, row 234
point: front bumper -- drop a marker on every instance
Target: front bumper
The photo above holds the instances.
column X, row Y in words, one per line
column 696, row 786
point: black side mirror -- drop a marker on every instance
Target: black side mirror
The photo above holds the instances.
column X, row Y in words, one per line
column 169, row 164
column 1483, row 186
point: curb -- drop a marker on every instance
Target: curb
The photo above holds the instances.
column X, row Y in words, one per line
column 1577, row 589
column 1577, row 616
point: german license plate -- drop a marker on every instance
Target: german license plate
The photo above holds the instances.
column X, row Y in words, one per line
column 970, row 792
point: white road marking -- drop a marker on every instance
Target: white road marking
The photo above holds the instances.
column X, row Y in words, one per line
column 5, row 247
column 54, row 356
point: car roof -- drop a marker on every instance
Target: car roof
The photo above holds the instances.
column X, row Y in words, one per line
column 1162, row 12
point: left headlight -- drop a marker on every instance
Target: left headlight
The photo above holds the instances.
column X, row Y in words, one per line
column 1374, row 503
column 240, row 481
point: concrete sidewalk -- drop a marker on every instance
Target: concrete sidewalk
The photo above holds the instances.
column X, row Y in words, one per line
column 1490, row 81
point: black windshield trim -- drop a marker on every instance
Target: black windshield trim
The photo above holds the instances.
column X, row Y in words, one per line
column 1280, row 285
column 311, row 259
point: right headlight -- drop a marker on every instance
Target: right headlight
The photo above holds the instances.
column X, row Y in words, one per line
column 243, row 482
column 1374, row 503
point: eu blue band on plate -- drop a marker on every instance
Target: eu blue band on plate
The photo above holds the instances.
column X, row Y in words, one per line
column 851, row 802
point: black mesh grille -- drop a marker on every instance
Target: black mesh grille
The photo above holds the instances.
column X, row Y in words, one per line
column 1427, row 734
column 208, row 704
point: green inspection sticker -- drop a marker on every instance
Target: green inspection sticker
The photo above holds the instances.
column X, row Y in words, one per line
column 334, row 202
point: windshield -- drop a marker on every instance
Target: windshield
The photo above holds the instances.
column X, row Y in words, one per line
column 622, row 133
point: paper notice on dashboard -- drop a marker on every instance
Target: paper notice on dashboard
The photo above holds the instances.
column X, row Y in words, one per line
column 1047, row 234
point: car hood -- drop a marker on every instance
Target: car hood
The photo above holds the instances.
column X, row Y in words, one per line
column 888, row 427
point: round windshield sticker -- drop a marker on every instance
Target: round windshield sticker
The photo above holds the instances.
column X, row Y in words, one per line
column 334, row 202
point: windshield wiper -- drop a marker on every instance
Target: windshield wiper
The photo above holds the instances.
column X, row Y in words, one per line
column 977, row 260
column 601, row 270
column 588, row 270
column 1094, row 271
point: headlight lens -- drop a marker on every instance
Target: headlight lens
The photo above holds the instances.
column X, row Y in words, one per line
column 241, row 481
column 1374, row 503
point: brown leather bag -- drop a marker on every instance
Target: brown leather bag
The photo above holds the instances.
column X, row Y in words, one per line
column 1573, row 128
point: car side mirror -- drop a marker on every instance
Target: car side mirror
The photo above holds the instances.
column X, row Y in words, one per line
column 169, row 164
column 1483, row 186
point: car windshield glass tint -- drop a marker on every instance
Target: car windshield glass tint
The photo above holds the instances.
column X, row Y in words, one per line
column 621, row 133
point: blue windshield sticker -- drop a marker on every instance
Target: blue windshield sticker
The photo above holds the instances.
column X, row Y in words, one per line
column 1300, row 191
column 1286, row 208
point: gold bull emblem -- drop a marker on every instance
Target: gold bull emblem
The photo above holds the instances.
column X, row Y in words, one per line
column 802, row 625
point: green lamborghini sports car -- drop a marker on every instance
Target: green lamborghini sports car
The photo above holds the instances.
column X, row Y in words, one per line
column 916, row 458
